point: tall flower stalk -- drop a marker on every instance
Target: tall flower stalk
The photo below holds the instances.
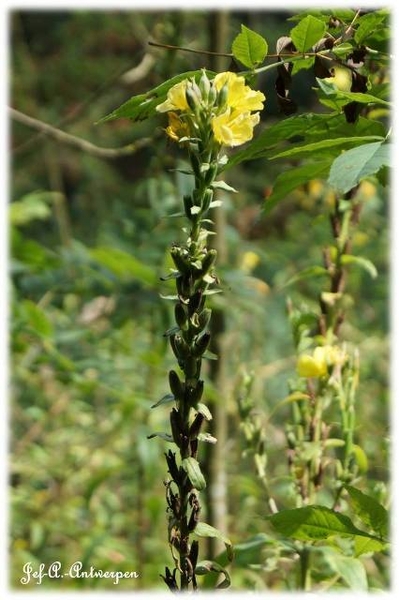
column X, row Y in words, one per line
column 204, row 118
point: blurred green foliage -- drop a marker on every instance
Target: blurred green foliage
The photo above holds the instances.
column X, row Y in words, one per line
column 89, row 241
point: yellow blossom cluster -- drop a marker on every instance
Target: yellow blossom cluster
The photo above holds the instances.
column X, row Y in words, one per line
column 317, row 364
column 224, row 105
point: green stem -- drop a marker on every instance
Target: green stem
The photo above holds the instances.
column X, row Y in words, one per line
column 305, row 582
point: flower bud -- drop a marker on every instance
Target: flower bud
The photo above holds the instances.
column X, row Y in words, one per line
column 222, row 96
column 204, row 85
column 179, row 258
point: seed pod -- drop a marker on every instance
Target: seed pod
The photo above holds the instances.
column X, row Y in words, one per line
column 172, row 466
column 176, row 386
column 208, row 195
column 175, row 426
column 196, row 425
column 180, row 316
column 188, row 203
column 201, row 344
column 204, row 318
column 192, row 367
column 208, row 261
column 196, row 302
column 179, row 258
column 193, row 394
column 211, row 173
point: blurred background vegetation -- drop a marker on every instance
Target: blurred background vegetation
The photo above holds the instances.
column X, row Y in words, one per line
column 89, row 240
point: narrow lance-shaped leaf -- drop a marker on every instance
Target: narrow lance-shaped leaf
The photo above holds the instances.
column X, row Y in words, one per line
column 144, row 106
column 249, row 47
column 288, row 181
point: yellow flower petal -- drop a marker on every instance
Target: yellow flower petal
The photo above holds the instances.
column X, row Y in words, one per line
column 176, row 129
column 312, row 366
column 233, row 128
column 175, row 99
column 239, row 96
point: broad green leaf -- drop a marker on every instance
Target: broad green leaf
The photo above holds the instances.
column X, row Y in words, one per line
column 249, row 48
column 354, row 165
column 368, row 546
column 371, row 512
column 250, row 552
column 144, row 106
column 368, row 23
column 208, row 566
column 289, row 180
column 34, row 206
column 37, row 319
column 193, row 470
column 364, row 263
column 315, row 147
column 350, row 569
column 205, row 530
column 309, row 31
column 124, row 265
column 302, row 63
column 314, row 523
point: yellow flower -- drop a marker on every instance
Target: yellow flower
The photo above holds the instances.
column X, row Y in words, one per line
column 175, row 99
column 239, row 96
column 176, row 129
column 313, row 365
column 233, row 128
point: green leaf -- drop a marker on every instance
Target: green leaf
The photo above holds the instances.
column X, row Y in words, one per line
column 164, row 400
column 289, row 180
column 304, row 128
column 364, row 263
column 368, row 23
column 307, row 273
column 249, row 48
column 350, row 569
column 330, row 89
column 371, row 512
column 208, row 566
column 368, row 546
column 205, row 530
column 124, row 265
column 164, row 436
column 302, row 63
column 315, row 523
column 34, row 206
column 37, row 319
column 354, row 165
column 309, row 31
column 193, row 470
column 336, row 143
column 144, row 106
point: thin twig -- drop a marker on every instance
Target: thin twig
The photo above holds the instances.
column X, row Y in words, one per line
column 76, row 142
